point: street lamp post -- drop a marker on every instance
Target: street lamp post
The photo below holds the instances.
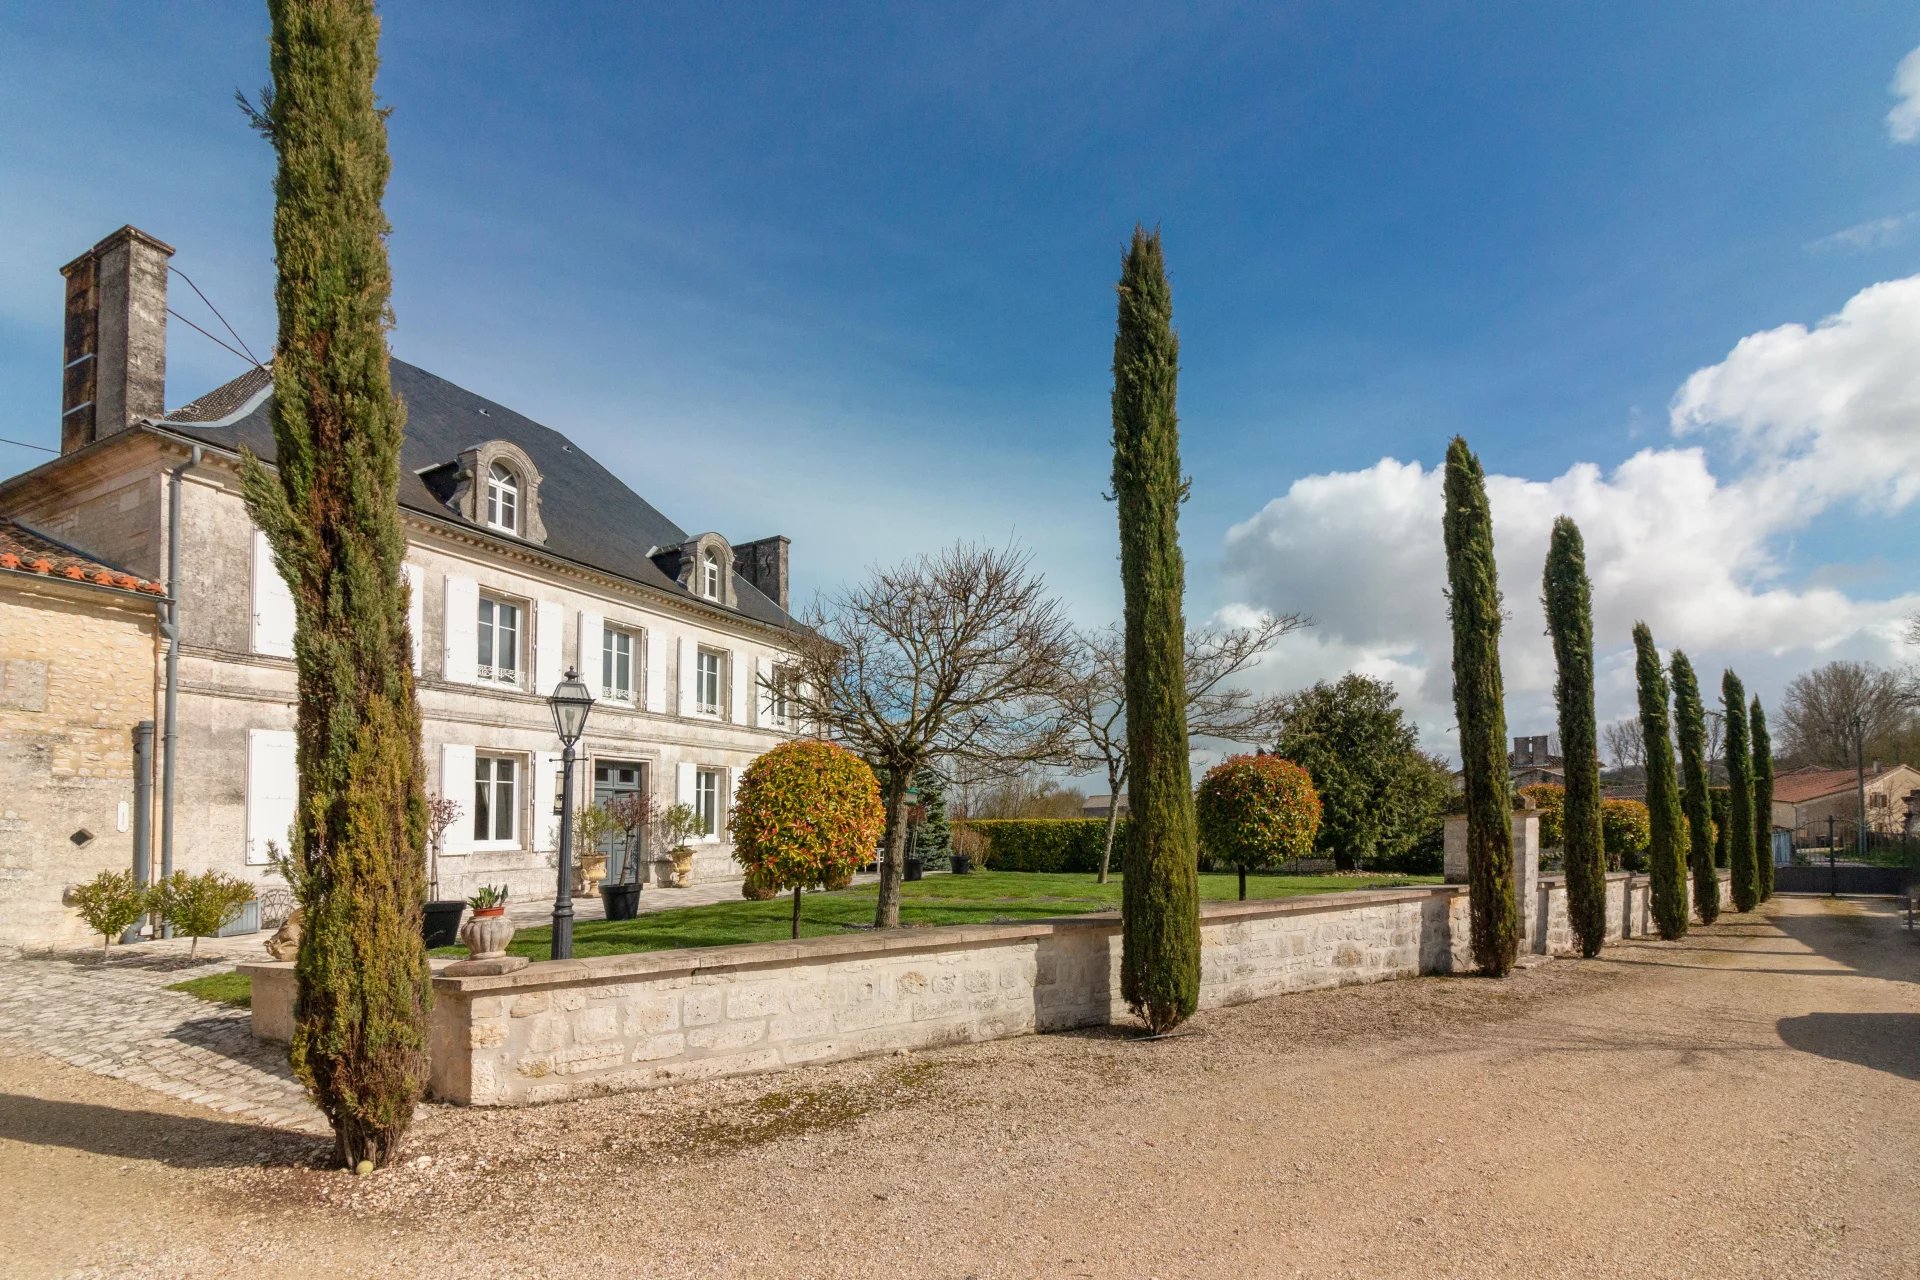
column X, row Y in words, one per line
column 570, row 701
column 1860, row 777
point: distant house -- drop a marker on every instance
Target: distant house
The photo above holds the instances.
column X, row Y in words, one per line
column 1101, row 806
column 1803, row 799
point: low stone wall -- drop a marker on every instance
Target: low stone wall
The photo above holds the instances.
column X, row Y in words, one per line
column 561, row 1029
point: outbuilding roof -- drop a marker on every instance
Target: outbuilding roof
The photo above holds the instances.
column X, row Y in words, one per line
column 28, row 551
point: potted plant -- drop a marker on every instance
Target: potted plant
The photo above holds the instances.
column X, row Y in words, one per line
column 488, row 933
column 967, row 844
column 678, row 825
column 591, row 827
column 631, row 812
column 440, row 917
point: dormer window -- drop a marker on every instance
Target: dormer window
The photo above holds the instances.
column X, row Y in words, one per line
column 710, row 575
column 503, row 498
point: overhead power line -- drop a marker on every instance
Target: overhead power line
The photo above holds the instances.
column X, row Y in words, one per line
column 216, row 311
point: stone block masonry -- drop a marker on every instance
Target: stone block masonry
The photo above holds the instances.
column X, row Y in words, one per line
column 568, row 1028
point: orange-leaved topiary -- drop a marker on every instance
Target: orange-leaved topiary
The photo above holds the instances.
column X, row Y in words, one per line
column 1257, row 811
column 806, row 815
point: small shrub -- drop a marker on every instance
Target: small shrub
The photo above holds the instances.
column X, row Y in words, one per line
column 807, row 813
column 1043, row 844
column 110, row 903
column 1550, row 798
column 1256, row 811
column 1626, row 830
column 200, row 906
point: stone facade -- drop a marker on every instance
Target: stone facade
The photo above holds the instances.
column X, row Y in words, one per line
column 77, row 673
column 562, row 1029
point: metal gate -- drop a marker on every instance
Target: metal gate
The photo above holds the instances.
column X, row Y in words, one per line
column 1830, row 858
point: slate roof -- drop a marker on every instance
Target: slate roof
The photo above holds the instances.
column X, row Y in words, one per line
column 31, row 553
column 591, row 517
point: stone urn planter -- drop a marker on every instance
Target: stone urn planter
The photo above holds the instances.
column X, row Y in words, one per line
column 593, row 869
column 487, row 934
column 682, row 866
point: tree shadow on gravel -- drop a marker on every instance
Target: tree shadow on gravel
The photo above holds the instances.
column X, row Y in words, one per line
column 1887, row 1042
column 182, row 1142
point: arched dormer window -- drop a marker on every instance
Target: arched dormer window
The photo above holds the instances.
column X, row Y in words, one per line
column 710, row 575
column 503, row 498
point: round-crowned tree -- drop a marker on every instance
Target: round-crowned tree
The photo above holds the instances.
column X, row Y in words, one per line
column 1257, row 811
column 805, row 815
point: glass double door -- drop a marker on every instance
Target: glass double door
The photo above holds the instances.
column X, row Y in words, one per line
column 611, row 779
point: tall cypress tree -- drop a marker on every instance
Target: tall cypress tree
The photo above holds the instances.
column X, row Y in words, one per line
column 1746, row 875
column 1666, row 856
column 1473, row 604
column 1568, row 596
column 1690, row 723
column 1160, row 906
column 1762, row 799
column 330, row 512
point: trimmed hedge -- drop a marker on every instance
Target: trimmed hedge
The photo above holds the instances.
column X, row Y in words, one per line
column 1046, row 844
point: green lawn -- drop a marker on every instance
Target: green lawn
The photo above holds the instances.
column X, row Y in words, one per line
column 219, row 988
column 985, row 897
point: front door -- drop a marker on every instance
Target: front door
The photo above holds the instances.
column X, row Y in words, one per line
column 613, row 778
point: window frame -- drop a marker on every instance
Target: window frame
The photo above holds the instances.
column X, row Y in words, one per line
column 710, row 579
column 779, row 709
column 609, row 634
column 518, row 790
column 504, row 489
column 711, row 824
column 487, row 672
column 716, row 709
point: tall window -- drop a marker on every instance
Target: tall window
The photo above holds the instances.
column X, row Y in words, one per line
column 778, row 685
column 495, row 814
column 503, row 499
column 616, row 665
column 499, row 634
column 706, row 682
column 706, row 800
column 710, row 575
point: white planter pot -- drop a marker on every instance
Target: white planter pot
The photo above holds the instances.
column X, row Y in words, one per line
column 486, row 937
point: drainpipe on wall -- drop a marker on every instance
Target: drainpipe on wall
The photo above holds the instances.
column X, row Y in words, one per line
column 142, row 814
column 171, row 628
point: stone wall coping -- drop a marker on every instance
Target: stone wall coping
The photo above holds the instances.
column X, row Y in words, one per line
column 754, row 955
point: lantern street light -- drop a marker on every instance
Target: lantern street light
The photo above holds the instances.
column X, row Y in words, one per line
column 571, row 700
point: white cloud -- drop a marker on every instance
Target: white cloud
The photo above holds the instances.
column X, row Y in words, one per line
column 1903, row 122
column 1814, row 416
column 1875, row 233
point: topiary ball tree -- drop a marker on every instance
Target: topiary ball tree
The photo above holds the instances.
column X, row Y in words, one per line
column 805, row 816
column 1257, row 811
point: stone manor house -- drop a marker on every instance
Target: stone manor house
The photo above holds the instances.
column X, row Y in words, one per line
column 525, row 557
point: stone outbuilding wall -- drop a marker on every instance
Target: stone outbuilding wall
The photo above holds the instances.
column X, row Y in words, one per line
column 563, row 1029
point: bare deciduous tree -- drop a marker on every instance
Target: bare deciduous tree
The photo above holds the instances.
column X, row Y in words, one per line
column 955, row 657
column 1625, row 746
column 1820, row 708
column 1095, row 700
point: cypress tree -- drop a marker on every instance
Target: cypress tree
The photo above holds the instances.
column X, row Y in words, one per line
column 1690, row 721
column 1762, row 799
column 1746, row 875
column 330, row 513
column 1160, row 907
column 1568, row 597
column 1473, row 605
column 1666, row 856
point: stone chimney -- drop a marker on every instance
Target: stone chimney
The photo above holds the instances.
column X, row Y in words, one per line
column 114, row 370
column 764, row 564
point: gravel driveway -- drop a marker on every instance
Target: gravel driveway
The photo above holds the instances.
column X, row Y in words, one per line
column 1744, row 1103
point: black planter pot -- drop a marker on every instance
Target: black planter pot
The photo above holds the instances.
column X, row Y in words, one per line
column 440, row 922
column 914, row 868
column 962, row 864
column 622, row 900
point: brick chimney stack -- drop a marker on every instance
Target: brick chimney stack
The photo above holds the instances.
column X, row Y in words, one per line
column 114, row 370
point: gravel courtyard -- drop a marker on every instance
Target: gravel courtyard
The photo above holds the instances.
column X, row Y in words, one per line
column 1744, row 1103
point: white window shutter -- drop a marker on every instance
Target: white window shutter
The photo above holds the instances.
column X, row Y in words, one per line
column 460, row 628
column 683, row 783
column 592, row 665
column 655, row 646
column 273, row 791
column 272, row 603
column 456, row 784
column 416, row 579
column 548, row 633
column 739, row 676
column 762, row 692
column 686, row 676
column 546, row 791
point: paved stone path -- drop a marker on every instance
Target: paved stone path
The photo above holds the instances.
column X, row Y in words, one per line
column 118, row 1019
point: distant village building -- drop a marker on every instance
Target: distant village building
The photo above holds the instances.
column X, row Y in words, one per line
column 1803, row 799
column 525, row 557
column 1101, row 806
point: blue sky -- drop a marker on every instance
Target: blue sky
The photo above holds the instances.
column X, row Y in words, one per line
column 847, row 274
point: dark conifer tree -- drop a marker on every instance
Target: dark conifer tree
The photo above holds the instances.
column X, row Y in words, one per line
column 1568, row 597
column 1746, row 876
column 1690, row 724
column 1473, row 604
column 330, row 512
column 1666, row 851
column 1762, row 799
column 1160, row 912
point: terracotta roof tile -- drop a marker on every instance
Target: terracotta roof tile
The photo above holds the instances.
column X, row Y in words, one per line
column 27, row 551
